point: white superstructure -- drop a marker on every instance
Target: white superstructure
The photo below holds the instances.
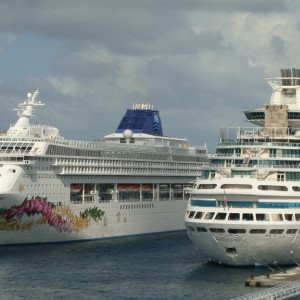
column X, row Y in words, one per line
column 244, row 209
column 56, row 190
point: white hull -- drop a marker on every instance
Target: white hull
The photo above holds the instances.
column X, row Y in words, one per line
column 243, row 243
column 132, row 182
column 244, row 208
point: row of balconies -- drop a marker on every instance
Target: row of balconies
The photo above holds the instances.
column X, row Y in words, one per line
column 127, row 171
column 122, row 164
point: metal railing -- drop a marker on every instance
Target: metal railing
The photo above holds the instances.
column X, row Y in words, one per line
column 282, row 291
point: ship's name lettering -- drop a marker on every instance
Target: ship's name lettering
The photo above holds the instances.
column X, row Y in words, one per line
column 224, row 239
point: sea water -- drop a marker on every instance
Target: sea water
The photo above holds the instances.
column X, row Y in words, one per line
column 164, row 266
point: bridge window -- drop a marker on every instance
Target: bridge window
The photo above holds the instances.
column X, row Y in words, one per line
column 209, row 215
column 199, row 215
column 262, row 217
column 288, row 217
column 221, row 216
column 247, row 217
column 191, row 214
column 277, row 217
column 234, row 217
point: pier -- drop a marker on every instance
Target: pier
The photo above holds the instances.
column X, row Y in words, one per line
column 283, row 285
column 282, row 291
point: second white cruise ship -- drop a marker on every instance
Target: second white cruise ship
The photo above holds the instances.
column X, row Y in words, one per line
column 245, row 207
column 134, row 181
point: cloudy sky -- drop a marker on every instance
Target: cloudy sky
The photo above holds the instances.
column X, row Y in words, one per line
column 201, row 63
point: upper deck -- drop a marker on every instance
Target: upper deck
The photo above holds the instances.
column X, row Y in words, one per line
column 257, row 136
column 283, row 109
column 140, row 131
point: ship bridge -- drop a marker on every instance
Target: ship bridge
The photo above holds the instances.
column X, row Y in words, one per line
column 284, row 107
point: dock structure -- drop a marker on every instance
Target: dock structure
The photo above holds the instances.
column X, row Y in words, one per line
column 274, row 279
column 281, row 285
column 281, row 291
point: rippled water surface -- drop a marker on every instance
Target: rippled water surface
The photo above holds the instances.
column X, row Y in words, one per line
column 149, row 267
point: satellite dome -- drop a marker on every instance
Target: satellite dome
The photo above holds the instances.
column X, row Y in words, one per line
column 127, row 134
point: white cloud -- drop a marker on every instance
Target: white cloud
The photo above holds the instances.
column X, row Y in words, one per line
column 200, row 62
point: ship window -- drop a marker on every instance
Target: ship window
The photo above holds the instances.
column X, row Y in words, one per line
column 221, row 216
column 236, row 230
column 236, row 186
column 272, row 188
column 206, row 186
column 216, row 230
column 296, row 188
column 209, row 215
column 277, row 217
column 199, row 215
column 247, row 217
column 258, row 231
column 288, row 217
column 297, row 217
column 201, row 229
column 280, row 176
column 291, row 231
column 276, row 231
column 262, row 217
column 191, row 214
column 234, row 217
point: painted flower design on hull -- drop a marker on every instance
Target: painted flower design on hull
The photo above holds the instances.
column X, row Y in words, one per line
column 60, row 217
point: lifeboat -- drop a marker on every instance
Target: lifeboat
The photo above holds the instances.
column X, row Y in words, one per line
column 146, row 187
column 75, row 188
column 133, row 187
column 122, row 187
column 128, row 187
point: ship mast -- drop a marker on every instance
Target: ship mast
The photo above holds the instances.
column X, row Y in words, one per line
column 25, row 110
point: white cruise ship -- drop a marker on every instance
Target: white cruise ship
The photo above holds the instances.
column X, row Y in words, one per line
column 132, row 182
column 244, row 209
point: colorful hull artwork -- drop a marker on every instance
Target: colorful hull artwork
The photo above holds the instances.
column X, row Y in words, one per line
column 39, row 211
